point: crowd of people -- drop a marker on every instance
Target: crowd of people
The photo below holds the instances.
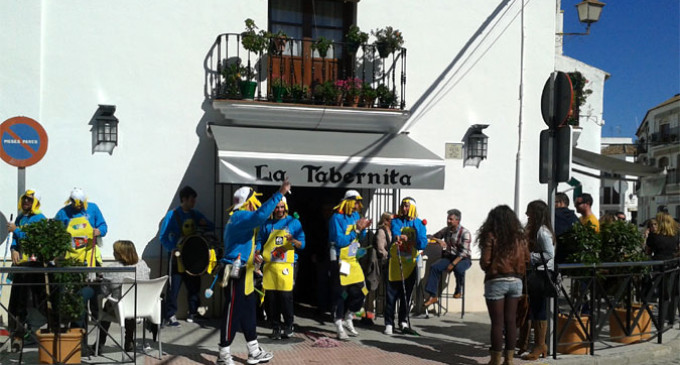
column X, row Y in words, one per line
column 261, row 245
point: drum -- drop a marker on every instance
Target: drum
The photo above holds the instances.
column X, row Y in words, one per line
column 198, row 254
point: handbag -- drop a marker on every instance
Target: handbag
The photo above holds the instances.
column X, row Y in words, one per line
column 522, row 305
column 542, row 283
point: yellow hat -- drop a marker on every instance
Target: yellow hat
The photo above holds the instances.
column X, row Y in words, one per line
column 33, row 194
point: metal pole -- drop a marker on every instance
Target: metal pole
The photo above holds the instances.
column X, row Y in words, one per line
column 21, row 183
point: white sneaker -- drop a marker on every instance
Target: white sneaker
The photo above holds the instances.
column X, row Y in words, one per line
column 388, row 330
column 350, row 328
column 404, row 325
column 260, row 356
column 224, row 358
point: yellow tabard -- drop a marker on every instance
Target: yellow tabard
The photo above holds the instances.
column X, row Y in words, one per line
column 406, row 253
column 349, row 255
column 278, row 270
column 83, row 247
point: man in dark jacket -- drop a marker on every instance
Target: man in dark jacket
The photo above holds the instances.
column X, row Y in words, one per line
column 564, row 220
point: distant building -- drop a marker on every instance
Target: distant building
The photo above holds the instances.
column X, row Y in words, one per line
column 658, row 145
column 617, row 192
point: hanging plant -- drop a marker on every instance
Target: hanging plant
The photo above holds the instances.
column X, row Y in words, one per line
column 578, row 84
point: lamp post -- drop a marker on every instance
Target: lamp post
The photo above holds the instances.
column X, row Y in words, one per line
column 104, row 129
column 588, row 12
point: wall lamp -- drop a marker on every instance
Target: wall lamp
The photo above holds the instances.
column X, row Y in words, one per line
column 476, row 145
column 104, row 129
column 588, row 12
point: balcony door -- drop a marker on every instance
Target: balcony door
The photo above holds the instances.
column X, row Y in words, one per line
column 304, row 21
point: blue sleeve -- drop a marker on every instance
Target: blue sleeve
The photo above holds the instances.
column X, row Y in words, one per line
column 337, row 228
column 421, row 234
column 97, row 219
column 210, row 226
column 298, row 233
column 252, row 221
column 62, row 216
column 169, row 231
column 261, row 238
column 397, row 225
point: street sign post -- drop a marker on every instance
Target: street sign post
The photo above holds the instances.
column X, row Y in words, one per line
column 23, row 142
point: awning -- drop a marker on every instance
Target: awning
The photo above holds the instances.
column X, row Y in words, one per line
column 611, row 165
column 325, row 159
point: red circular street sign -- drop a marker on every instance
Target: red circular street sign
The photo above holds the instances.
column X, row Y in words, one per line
column 23, row 141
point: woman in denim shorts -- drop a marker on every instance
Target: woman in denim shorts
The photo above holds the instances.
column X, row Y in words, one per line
column 505, row 255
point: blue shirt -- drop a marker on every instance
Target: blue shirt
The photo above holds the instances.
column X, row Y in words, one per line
column 337, row 230
column 171, row 231
column 23, row 220
column 92, row 213
column 421, row 233
column 240, row 229
column 293, row 225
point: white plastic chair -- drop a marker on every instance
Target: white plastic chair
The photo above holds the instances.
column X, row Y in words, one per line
column 148, row 306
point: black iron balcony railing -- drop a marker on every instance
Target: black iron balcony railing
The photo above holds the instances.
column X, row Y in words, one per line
column 610, row 304
column 299, row 71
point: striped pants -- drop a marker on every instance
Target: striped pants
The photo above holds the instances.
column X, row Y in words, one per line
column 239, row 313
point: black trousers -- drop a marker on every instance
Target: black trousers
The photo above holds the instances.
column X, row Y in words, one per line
column 239, row 312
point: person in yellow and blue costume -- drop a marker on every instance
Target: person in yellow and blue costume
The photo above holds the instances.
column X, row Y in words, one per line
column 24, row 296
column 409, row 236
column 247, row 215
column 278, row 240
column 178, row 223
column 84, row 221
column 345, row 229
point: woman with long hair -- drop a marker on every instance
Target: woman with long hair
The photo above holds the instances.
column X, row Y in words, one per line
column 504, row 258
column 541, row 239
column 663, row 245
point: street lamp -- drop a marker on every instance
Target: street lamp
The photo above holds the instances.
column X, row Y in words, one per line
column 476, row 146
column 104, row 129
column 588, row 12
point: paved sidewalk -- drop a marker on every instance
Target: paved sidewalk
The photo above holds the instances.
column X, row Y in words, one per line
column 442, row 340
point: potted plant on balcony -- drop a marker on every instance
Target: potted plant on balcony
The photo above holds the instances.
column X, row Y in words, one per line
column 578, row 85
column 354, row 38
column 253, row 40
column 298, row 92
column 386, row 97
column 279, row 89
column 352, row 91
column 277, row 42
column 368, row 95
column 387, row 40
column 248, row 84
column 326, row 93
column 321, row 45
column 49, row 242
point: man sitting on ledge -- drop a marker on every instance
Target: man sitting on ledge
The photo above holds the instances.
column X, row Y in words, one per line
column 455, row 242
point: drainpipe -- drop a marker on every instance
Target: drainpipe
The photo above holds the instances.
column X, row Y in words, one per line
column 518, row 160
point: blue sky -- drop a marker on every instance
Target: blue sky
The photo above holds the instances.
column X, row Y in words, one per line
column 638, row 44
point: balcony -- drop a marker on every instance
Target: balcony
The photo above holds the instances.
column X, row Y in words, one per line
column 292, row 84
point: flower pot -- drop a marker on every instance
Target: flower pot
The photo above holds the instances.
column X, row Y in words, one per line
column 278, row 92
column 573, row 333
column 248, row 89
column 638, row 333
column 368, row 102
column 68, row 347
column 352, row 101
column 384, row 49
column 353, row 47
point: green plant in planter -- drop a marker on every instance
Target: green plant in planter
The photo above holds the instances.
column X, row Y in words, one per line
column 279, row 89
column 578, row 84
column 277, row 41
column 387, row 40
column 582, row 244
column 621, row 242
column 368, row 95
column 321, row 45
column 387, row 98
column 49, row 242
column 232, row 80
column 253, row 40
column 326, row 93
column 354, row 38
column 299, row 92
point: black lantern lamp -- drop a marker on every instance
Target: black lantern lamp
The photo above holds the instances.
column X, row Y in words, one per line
column 476, row 146
column 104, row 129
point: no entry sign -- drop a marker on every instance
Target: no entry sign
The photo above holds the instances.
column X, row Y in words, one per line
column 23, row 141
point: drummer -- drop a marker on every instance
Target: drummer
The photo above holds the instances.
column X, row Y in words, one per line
column 278, row 240
column 181, row 222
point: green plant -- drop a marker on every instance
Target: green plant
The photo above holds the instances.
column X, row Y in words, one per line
column 387, row 40
column 322, row 44
column 621, row 242
column 326, row 93
column 252, row 40
column 49, row 242
column 232, row 78
column 578, row 84
column 277, row 41
column 387, row 98
column 299, row 92
column 354, row 38
column 368, row 94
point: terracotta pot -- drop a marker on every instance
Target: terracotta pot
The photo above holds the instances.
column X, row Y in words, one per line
column 68, row 347
column 352, row 101
column 573, row 333
column 638, row 333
